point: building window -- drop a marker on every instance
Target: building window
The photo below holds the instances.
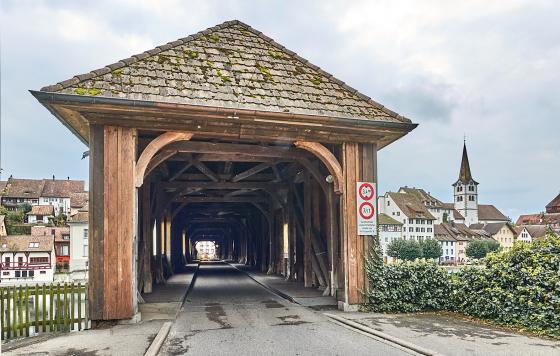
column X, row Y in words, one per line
column 33, row 244
column 398, row 213
column 459, row 188
column 459, row 198
column 86, row 233
column 64, row 250
column 31, row 273
column 5, row 273
column 85, row 252
column 471, row 188
column 18, row 274
column 42, row 272
column 411, row 229
column 388, row 202
column 38, row 260
column 471, row 197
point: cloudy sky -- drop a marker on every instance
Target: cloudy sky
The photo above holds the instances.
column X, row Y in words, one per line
column 487, row 69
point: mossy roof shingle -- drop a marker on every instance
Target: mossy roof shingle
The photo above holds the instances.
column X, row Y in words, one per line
column 233, row 66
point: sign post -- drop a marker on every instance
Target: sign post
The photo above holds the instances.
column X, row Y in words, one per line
column 367, row 208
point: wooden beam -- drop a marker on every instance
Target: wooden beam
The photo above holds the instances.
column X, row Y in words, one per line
column 223, row 199
column 228, row 167
column 240, row 149
column 251, row 171
column 276, row 171
column 224, row 177
column 156, row 161
column 119, row 154
column 307, row 259
column 96, row 239
column 180, row 171
column 204, row 169
column 152, row 148
column 350, row 231
column 328, row 159
column 224, row 185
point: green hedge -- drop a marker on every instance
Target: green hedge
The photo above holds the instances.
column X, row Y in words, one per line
column 408, row 287
column 519, row 288
column 18, row 229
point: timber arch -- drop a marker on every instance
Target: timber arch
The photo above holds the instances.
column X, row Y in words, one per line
column 223, row 136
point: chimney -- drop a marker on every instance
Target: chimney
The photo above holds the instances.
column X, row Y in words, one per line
column 68, row 177
column 53, row 177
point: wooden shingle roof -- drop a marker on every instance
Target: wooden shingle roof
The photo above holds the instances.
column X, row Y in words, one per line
column 230, row 65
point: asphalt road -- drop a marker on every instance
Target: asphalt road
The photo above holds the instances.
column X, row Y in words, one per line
column 227, row 313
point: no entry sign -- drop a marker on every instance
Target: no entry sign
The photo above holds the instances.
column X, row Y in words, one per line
column 367, row 208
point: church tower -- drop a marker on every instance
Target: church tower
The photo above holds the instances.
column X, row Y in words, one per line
column 465, row 191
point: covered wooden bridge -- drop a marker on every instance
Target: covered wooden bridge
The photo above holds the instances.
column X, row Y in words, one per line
column 227, row 136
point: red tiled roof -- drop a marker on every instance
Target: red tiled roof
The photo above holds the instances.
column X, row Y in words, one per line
column 490, row 212
column 78, row 199
column 62, row 188
column 22, row 243
column 23, row 188
column 555, row 203
column 44, row 210
column 57, row 232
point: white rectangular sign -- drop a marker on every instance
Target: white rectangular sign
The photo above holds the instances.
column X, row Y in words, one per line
column 366, row 199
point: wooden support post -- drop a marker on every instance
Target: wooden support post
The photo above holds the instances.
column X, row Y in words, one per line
column 359, row 164
column 112, row 201
column 307, row 262
column 147, row 230
column 351, row 253
column 291, row 235
column 271, row 241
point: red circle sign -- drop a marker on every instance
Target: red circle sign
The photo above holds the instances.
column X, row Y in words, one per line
column 366, row 210
column 366, row 191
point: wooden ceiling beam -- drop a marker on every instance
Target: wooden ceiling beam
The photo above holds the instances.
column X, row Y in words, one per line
column 251, row 171
column 258, row 199
column 224, row 185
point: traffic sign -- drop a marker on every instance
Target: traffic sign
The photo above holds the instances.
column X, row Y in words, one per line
column 367, row 208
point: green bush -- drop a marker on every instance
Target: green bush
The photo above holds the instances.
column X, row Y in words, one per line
column 408, row 287
column 18, row 229
column 519, row 288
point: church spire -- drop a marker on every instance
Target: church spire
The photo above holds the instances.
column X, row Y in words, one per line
column 465, row 172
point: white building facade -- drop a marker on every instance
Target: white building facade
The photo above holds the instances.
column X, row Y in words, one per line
column 27, row 259
column 79, row 245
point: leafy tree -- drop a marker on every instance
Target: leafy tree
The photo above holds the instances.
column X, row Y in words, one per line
column 477, row 249
column 480, row 248
column 59, row 220
column 445, row 217
column 493, row 246
column 411, row 250
column 25, row 207
column 431, row 249
column 395, row 248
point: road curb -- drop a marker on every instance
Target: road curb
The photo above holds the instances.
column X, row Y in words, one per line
column 155, row 346
column 266, row 286
column 384, row 336
column 191, row 285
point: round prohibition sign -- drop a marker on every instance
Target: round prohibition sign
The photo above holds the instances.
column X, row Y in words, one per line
column 366, row 210
column 366, row 191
